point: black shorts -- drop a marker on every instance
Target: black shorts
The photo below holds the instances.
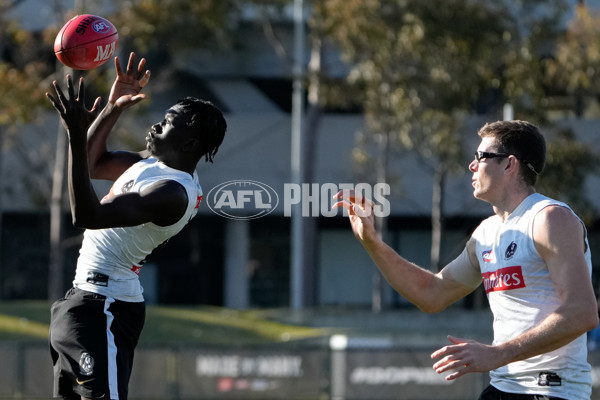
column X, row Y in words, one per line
column 92, row 340
column 491, row 393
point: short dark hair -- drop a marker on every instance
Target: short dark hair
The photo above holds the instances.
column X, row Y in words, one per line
column 209, row 122
column 523, row 140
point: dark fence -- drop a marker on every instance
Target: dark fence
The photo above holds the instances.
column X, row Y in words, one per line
column 349, row 369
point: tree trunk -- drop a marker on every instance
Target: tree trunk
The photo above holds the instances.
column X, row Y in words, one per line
column 56, row 265
column 56, row 257
column 2, row 271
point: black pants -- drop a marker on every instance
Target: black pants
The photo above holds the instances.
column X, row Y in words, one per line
column 491, row 393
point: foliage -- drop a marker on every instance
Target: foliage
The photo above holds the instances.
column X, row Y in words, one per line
column 21, row 72
column 577, row 60
column 536, row 27
column 574, row 68
column 419, row 65
column 568, row 164
column 26, row 64
column 147, row 26
column 21, row 96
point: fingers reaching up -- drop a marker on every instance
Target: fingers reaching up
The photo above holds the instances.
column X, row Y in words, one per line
column 71, row 108
column 354, row 202
column 128, row 85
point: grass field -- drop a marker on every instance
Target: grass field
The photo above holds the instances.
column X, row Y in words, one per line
column 29, row 321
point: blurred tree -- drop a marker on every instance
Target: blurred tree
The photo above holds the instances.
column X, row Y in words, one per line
column 536, row 27
column 147, row 26
column 574, row 69
column 569, row 162
column 21, row 71
column 419, row 68
column 573, row 73
column 20, row 75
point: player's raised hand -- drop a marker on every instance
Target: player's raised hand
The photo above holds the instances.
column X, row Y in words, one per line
column 126, row 89
column 74, row 115
column 360, row 212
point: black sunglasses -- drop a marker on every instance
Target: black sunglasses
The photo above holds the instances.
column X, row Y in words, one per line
column 479, row 155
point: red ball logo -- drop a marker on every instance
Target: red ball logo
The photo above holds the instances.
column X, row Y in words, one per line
column 86, row 42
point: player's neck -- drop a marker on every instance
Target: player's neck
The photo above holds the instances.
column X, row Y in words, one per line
column 181, row 165
column 505, row 206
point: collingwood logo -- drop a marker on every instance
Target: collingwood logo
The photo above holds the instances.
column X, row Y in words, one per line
column 86, row 364
column 510, row 251
column 127, row 186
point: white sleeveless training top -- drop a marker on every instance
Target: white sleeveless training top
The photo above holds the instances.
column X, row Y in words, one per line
column 110, row 259
column 521, row 295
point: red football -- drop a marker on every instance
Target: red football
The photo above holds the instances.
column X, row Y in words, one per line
column 86, row 42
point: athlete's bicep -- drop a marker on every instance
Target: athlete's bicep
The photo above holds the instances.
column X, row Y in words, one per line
column 162, row 203
column 559, row 237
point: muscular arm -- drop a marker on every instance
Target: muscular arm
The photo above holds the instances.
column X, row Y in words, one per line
column 162, row 203
column 125, row 92
column 105, row 164
column 428, row 291
column 559, row 239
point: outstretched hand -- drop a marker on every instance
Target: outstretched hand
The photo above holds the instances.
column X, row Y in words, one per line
column 360, row 211
column 126, row 89
column 74, row 115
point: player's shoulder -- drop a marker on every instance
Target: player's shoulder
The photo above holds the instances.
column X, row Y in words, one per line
column 557, row 225
column 167, row 187
column 158, row 178
column 548, row 209
column 556, row 214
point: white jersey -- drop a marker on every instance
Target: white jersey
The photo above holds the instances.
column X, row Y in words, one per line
column 521, row 295
column 110, row 259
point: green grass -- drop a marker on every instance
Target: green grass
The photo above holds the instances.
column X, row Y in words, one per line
column 24, row 320
column 199, row 325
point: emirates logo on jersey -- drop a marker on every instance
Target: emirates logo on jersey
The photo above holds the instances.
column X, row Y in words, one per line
column 508, row 278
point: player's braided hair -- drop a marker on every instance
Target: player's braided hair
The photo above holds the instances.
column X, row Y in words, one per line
column 209, row 122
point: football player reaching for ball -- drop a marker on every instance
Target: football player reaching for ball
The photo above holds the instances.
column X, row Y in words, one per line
column 95, row 327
